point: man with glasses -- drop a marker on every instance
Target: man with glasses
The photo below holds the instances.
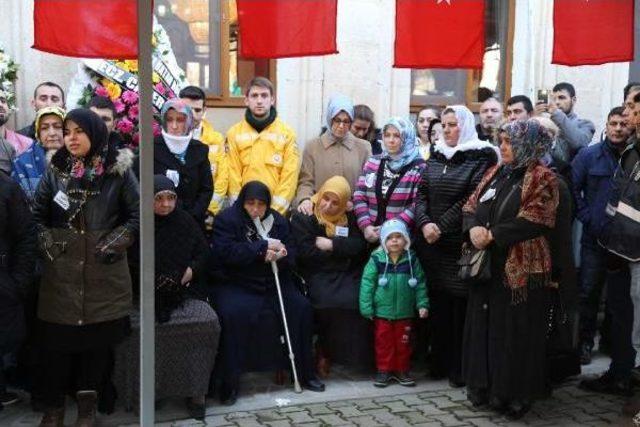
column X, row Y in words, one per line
column 336, row 152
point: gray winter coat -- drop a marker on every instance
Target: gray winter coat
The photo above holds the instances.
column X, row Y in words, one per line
column 575, row 134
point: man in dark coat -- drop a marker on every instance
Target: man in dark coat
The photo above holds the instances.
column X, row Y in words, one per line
column 17, row 261
column 620, row 237
column 592, row 173
column 491, row 115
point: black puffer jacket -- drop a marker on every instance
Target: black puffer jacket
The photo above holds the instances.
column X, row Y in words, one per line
column 77, row 287
column 195, row 188
column 451, row 175
column 18, row 251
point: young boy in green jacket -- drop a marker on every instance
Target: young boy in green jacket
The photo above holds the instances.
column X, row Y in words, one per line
column 393, row 288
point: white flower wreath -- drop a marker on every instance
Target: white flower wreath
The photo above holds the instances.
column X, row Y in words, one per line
column 8, row 77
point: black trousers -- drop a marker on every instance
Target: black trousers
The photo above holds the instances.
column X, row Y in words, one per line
column 620, row 307
column 448, row 313
column 593, row 274
column 73, row 371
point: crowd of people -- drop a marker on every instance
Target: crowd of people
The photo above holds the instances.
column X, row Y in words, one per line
column 441, row 239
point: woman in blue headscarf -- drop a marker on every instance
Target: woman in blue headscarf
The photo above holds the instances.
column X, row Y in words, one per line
column 387, row 186
column 335, row 152
column 184, row 160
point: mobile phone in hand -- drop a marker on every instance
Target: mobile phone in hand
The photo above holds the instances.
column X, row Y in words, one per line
column 543, row 96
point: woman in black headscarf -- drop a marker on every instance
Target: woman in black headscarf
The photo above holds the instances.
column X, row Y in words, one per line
column 510, row 214
column 187, row 328
column 246, row 299
column 86, row 208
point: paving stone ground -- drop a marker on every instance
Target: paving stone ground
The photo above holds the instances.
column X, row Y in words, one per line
column 569, row 406
column 351, row 400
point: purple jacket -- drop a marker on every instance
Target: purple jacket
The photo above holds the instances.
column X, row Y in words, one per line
column 368, row 199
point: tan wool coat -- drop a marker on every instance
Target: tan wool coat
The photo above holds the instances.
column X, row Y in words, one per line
column 325, row 157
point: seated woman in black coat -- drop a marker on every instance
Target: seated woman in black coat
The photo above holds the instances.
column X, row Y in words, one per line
column 331, row 252
column 247, row 290
column 188, row 330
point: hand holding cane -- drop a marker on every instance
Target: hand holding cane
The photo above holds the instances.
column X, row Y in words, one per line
column 274, row 268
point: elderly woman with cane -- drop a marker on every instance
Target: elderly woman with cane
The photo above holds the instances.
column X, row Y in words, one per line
column 251, row 243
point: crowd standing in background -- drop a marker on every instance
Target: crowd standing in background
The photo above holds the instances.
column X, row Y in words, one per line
column 451, row 234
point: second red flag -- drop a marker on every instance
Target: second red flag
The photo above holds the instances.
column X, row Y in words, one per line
column 285, row 28
column 439, row 33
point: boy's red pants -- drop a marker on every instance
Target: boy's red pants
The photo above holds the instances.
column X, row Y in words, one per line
column 393, row 344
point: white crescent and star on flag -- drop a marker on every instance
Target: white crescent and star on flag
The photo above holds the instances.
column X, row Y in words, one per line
column 444, row 1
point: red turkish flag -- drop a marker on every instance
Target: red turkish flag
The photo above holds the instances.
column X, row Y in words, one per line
column 439, row 33
column 287, row 28
column 591, row 32
column 87, row 28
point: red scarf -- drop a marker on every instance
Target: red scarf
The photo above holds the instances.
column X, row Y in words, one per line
column 528, row 262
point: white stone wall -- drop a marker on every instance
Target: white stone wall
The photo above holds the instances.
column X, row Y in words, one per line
column 362, row 70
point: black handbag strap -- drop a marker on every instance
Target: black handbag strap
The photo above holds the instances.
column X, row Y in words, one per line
column 383, row 200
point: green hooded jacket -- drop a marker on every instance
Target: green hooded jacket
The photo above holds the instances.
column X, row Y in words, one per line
column 396, row 300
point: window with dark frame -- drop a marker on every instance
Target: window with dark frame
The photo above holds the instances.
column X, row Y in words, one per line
column 210, row 58
column 470, row 87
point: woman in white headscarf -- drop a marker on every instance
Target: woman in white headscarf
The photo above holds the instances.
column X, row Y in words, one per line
column 183, row 159
column 453, row 171
column 336, row 152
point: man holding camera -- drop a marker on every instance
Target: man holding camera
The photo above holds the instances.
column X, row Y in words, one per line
column 575, row 133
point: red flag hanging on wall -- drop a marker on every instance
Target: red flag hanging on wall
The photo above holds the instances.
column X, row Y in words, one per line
column 87, row 28
column 439, row 33
column 591, row 32
column 286, row 28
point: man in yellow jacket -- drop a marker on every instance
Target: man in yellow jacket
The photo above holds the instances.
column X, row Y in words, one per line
column 203, row 131
column 263, row 148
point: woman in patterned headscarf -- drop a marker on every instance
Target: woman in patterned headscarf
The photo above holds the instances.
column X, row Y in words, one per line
column 453, row 171
column 184, row 160
column 510, row 212
column 387, row 186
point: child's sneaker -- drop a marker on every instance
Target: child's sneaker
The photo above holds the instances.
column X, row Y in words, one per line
column 382, row 379
column 405, row 379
